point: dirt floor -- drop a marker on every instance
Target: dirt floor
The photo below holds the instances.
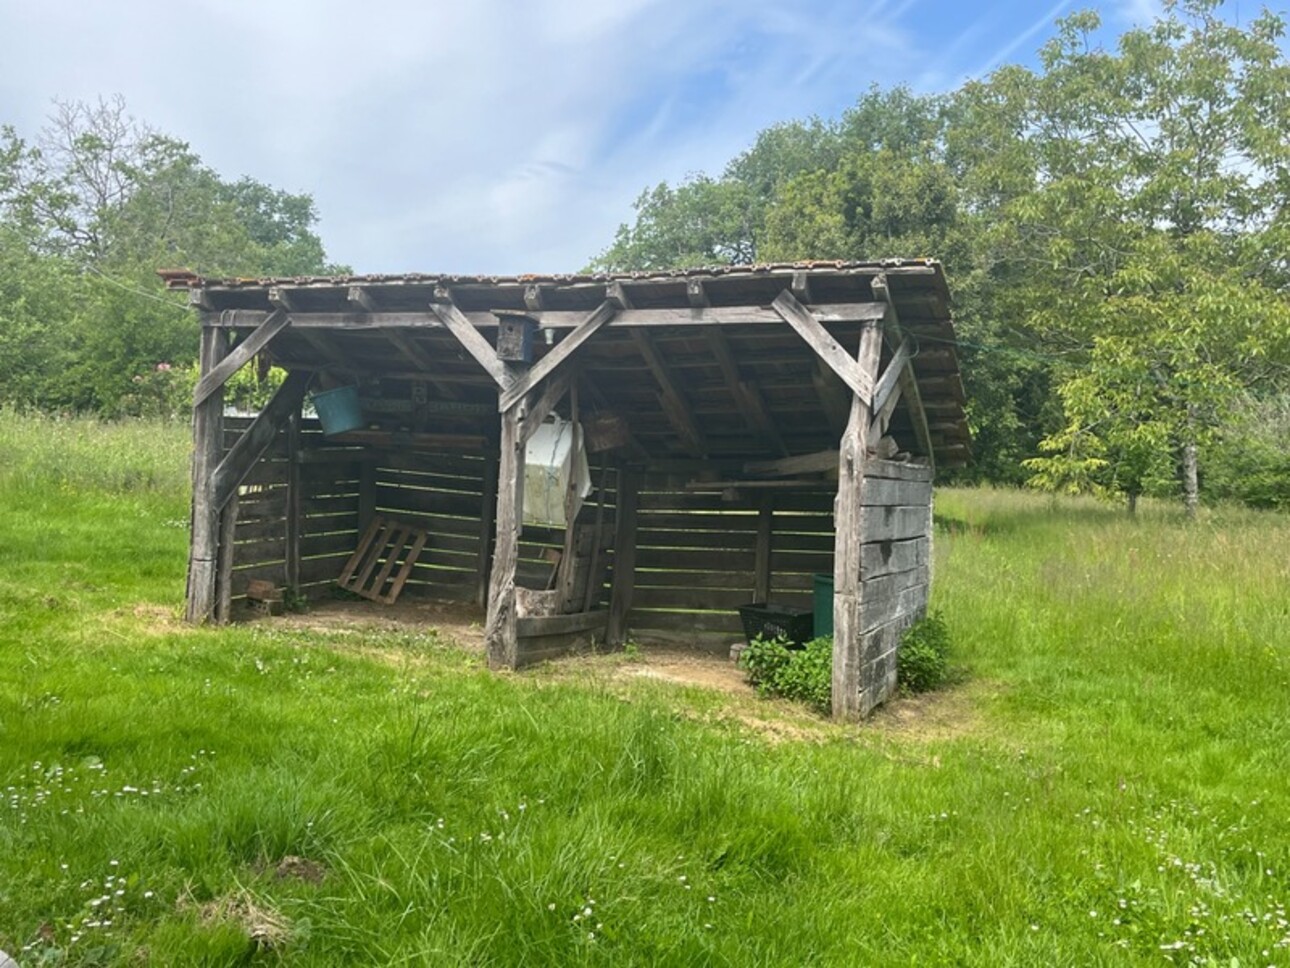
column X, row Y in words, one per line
column 940, row 715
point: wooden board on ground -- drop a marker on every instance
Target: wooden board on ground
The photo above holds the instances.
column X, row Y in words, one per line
column 386, row 545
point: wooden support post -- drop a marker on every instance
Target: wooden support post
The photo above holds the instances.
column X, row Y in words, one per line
column 208, row 445
column 366, row 494
column 224, row 563
column 849, row 533
column 620, row 595
column 500, row 633
column 295, row 499
column 487, row 516
column 591, row 595
column 761, row 569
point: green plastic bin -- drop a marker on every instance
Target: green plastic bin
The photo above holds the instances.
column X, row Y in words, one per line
column 823, row 605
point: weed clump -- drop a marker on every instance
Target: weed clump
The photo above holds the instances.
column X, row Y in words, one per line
column 803, row 674
column 922, row 663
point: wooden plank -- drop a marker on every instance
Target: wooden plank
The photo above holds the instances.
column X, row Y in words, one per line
column 887, row 523
column 360, row 550
column 259, row 338
column 898, row 471
column 294, row 518
column 556, row 356
column 765, row 528
column 696, row 598
column 532, row 417
column 890, row 380
column 224, row 567
column 208, row 434
column 624, row 564
column 828, row 349
column 487, row 511
column 883, row 490
column 500, row 635
column 688, row 622
column 474, row 343
column 561, row 624
column 849, row 519
column 402, row 577
column 595, row 578
column 235, row 466
column 817, row 463
column 666, row 318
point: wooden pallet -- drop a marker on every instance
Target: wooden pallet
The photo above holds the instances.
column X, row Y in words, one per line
column 385, row 545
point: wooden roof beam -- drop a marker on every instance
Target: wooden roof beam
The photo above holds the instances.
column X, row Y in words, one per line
column 675, row 317
column 675, row 406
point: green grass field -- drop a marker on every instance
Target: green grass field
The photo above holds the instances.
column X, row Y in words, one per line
column 1110, row 784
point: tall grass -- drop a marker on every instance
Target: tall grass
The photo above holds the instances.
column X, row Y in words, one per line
column 1107, row 788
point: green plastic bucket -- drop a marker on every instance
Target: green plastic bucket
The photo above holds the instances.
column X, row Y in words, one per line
column 823, row 605
column 338, row 410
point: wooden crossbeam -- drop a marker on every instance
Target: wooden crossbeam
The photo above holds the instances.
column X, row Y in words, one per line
column 544, row 367
column 473, row 341
column 240, row 355
column 817, row 463
column 255, row 440
column 559, row 319
column 825, row 346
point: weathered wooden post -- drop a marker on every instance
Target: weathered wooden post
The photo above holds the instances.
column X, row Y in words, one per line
column 848, row 518
column 208, row 445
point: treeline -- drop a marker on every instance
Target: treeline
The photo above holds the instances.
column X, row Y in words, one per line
column 1115, row 226
column 90, row 208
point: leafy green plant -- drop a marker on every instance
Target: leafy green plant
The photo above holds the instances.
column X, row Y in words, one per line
column 802, row 674
column 922, row 663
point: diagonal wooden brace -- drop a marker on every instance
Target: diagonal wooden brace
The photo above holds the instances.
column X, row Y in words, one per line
column 277, row 321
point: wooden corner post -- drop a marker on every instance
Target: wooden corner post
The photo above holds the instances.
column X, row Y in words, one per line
column 849, row 535
column 208, row 445
column 500, row 630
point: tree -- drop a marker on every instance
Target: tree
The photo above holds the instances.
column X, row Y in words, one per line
column 88, row 213
column 1161, row 167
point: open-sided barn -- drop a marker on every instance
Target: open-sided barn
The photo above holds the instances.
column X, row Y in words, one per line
column 588, row 457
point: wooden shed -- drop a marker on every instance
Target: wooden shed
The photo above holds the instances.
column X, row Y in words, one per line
column 741, row 435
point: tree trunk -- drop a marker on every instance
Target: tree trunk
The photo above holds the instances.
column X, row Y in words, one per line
column 1191, row 479
column 1133, row 504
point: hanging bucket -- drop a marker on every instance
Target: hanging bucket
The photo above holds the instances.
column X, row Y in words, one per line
column 338, row 410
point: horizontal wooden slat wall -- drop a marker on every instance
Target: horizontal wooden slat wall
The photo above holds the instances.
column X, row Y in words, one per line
column 895, row 567
column 443, row 493
column 697, row 554
column 329, row 505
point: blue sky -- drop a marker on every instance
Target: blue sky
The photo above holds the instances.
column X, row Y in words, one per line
column 494, row 136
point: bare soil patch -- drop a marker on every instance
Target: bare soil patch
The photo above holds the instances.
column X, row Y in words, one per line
column 461, row 622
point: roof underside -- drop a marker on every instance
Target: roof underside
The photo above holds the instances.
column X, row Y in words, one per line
column 746, row 384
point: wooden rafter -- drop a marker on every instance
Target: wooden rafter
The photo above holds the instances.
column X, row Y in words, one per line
column 749, row 399
column 675, row 406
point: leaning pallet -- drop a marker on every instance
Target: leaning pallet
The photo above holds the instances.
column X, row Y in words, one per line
column 387, row 544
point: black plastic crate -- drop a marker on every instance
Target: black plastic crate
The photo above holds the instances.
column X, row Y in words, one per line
column 770, row 621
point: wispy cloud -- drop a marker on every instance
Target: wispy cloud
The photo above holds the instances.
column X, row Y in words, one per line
column 1015, row 44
